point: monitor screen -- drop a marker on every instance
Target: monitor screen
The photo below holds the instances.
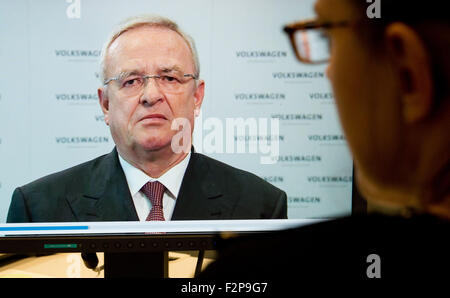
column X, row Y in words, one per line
column 262, row 112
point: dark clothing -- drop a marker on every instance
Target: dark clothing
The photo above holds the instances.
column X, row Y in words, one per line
column 414, row 248
column 97, row 191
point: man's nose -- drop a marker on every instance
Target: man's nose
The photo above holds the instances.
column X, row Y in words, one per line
column 151, row 92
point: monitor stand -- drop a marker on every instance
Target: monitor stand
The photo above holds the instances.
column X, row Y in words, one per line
column 137, row 265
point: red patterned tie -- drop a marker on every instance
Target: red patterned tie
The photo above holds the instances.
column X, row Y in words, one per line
column 154, row 192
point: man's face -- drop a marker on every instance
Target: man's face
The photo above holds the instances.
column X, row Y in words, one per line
column 365, row 92
column 142, row 121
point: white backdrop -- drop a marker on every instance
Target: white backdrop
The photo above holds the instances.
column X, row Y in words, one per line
column 50, row 118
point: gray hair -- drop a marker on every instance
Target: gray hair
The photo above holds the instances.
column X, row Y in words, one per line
column 147, row 20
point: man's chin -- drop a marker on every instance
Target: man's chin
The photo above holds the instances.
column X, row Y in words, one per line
column 155, row 144
column 154, row 147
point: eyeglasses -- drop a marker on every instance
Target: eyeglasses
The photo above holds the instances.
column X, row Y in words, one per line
column 309, row 41
column 132, row 84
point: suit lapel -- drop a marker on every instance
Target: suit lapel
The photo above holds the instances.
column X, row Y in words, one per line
column 201, row 194
column 106, row 196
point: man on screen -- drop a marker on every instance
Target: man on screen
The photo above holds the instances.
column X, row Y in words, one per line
column 151, row 88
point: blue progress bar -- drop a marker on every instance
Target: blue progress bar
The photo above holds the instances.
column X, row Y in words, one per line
column 55, row 228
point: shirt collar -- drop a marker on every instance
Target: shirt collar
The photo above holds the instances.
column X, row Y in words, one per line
column 171, row 179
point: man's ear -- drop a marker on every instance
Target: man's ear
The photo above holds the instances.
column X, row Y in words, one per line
column 198, row 96
column 104, row 103
column 411, row 63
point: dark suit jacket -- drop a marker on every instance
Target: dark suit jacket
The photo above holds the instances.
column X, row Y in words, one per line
column 97, row 191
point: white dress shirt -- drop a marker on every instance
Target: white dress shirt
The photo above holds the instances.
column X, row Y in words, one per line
column 171, row 179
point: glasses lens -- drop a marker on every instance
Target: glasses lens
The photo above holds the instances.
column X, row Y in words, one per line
column 312, row 46
column 170, row 82
column 133, row 82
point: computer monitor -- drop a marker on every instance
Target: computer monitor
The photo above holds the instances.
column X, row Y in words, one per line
column 263, row 112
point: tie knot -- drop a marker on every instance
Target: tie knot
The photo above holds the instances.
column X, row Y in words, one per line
column 154, row 192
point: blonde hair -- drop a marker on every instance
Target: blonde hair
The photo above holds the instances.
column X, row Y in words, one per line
column 147, row 20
